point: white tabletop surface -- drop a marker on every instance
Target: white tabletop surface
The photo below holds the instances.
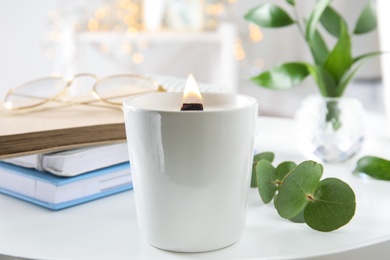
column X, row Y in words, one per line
column 107, row 228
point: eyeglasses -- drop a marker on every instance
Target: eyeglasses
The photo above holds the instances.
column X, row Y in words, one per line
column 110, row 91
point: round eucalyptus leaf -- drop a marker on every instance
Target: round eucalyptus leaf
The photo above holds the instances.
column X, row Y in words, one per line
column 283, row 169
column 266, row 175
column 269, row 156
column 297, row 188
column 332, row 207
column 298, row 218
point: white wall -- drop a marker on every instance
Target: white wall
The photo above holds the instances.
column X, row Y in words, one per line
column 383, row 27
column 23, row 26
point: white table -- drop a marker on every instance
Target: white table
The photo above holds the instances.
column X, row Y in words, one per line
column 107, row 228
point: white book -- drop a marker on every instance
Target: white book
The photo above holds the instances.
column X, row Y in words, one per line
column 76, row 161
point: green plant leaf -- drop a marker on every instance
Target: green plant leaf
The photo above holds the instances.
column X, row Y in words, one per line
column 283, row 76
column 283, row 169
column 375, row 167
column 333, row 206
column 269, row 156
column 311, row 25
column 318, row 48
column 298, row 218
column 324, row 80
column 351, row 72
column 367, row 20
column 297, row 187
column 340, row 58
column 269, row 15
column 291, row 2
column 331, row 20
column 266, row 175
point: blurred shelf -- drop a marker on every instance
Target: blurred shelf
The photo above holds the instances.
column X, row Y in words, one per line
column 159, row 36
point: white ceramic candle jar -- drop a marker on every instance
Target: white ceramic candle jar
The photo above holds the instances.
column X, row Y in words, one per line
column 191, row 169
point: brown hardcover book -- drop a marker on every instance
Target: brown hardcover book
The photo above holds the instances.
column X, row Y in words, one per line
column 59, row 129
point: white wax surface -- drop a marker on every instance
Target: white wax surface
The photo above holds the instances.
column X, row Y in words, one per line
column 173, row 101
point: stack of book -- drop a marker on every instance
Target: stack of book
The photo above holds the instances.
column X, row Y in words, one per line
column 59, row 157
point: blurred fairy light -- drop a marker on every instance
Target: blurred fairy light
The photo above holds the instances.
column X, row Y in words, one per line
column 213, row 11
column 255, row 34
column 93, row 25
column 114, row 15
column 101, row 13
column 54, row 36
column 138, row 58
column 259, row 63
column 239, row 53
column 126, row 16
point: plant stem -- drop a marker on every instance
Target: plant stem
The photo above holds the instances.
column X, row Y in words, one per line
column 333, row 114
column 298, row 22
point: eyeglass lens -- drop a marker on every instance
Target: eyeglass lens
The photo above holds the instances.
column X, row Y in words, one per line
column 35, row 92
column 116, row 88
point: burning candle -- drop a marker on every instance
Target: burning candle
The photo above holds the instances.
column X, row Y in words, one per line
column 191, row 169
column 192, row 99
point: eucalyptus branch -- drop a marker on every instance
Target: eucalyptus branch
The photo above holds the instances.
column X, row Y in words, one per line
column 301, row 196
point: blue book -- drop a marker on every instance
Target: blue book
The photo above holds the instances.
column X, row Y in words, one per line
column 55, row 192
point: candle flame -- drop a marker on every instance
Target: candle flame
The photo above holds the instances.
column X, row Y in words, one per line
column 191, row 91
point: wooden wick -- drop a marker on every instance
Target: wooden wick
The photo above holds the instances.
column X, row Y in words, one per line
column 191, row 106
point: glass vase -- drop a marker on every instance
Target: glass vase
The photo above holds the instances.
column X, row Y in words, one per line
column 330, row 129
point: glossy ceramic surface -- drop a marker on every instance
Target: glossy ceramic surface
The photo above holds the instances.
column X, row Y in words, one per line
column 191, row 169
